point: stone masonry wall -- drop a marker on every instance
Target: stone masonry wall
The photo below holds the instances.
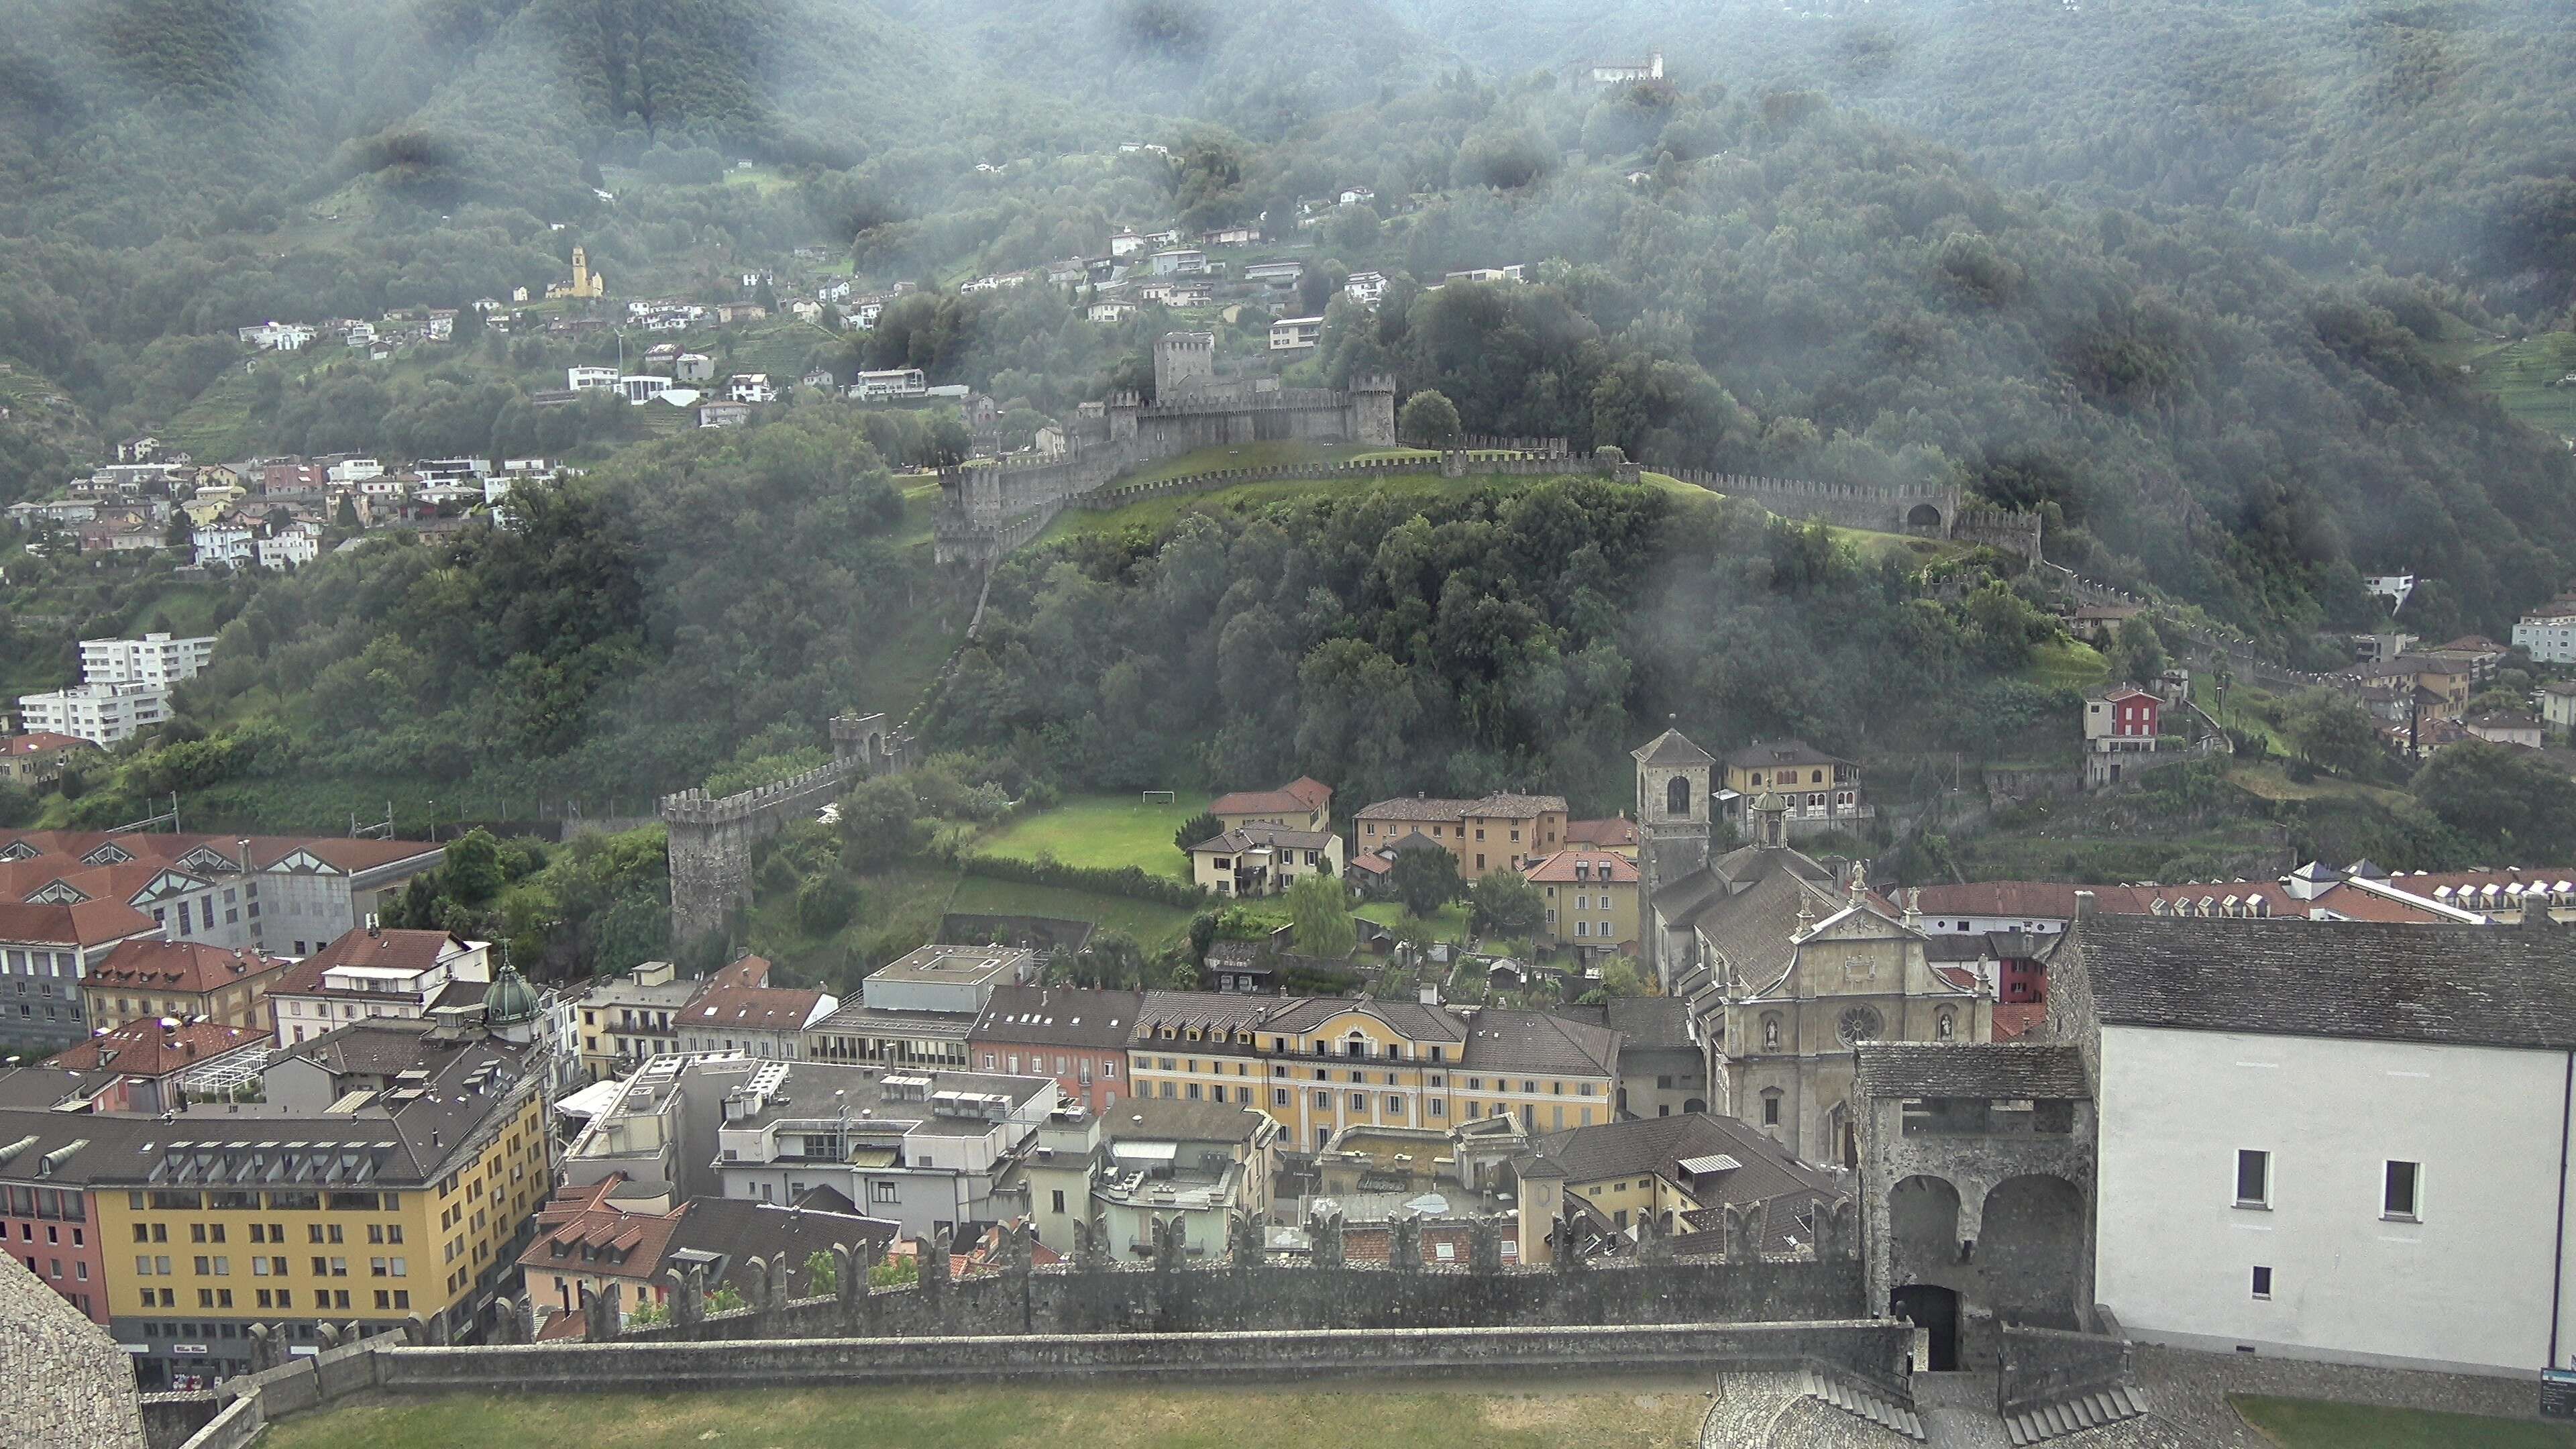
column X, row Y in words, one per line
column 69, row 1383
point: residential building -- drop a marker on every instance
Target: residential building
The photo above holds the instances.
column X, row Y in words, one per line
column 1263, row 860
column 2502, row 727
column 1663, row 1065
column 1232, row 236
column 1275, row 274
column 631, row 1019
column 2548, row 633
column 2558, row 706
column 1618, row 835
column 1301, row 804
column 103, row 714
column 277, row 336
column 163, row 1065
column 290, row 548
column 1078, row 1037
column 1290, row 334
column 587, row 1238
column 145, row 979
column 1591, row 899
column 889, row 384
column 2285, row 1165
column 1513, row 273
column 1126, row 244
column 155, row 659
column 2123, row 717
column 1821, row 792
column 2440, row 687
column 46, row 952
column 2481, row 654
column 1366, row 288
column 1318, row 1065
column 1177, row 262
column 378, row 971
column 600, row 379
column 1196, row 1164
column 36, row 759
column 925, row 1150
column 2370, row 647
column 409, row 1205
column 723, row 414
column 757, row 1021
column 750, row 387
column 1678, row 1173
column 917, row 1010
column 1498, row 832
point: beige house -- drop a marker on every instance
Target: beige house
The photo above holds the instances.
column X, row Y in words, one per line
column 1263, row 860
column 1301, row 804
column 1194, row 1163
column 1591, row 899
column 1498, row 832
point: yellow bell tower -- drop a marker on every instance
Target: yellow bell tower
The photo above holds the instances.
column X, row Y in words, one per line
column 583, row 283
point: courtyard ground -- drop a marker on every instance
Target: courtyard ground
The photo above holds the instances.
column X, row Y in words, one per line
column 2316, row 1424
column 1592, row 1414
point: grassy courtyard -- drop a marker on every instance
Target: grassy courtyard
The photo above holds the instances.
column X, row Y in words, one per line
column 1449, row 923
column 1643, row 1414
column 1105, row 832
column 2314, row 1424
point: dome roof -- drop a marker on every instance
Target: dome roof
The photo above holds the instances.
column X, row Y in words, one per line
column 510, row 999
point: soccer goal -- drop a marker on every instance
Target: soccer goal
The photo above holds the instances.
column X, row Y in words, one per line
column 1159, row 797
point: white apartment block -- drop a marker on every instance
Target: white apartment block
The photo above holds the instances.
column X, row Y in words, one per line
column 292, row 549
column 2549, row 633
column 157, row 659
column 103, row 714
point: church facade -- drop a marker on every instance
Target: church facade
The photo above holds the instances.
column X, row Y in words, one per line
column 1787, row 963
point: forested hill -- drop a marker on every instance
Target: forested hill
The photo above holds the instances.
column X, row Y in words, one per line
column 2431, row 133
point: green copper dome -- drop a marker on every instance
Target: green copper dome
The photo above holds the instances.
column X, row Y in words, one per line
column 510, row 1000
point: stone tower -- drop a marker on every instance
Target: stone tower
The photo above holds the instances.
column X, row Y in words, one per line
column 1373, row 411
column 1184, row 363
column 1673, row 826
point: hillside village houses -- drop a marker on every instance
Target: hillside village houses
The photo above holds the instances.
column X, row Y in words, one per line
column 2548, row 633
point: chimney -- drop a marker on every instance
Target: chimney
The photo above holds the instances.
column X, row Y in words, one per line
column 2083, row 906
column 372, row 928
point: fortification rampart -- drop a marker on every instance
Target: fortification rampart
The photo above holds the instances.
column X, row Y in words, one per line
column 711, row 837
column 1928, row 509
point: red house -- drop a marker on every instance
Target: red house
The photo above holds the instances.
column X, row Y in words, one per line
column 1079, row 1037
column 2125, row 713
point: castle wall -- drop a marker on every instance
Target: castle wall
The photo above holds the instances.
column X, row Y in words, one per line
column 1930, row 510
column 711, row 839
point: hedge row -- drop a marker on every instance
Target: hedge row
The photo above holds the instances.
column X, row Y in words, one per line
column 1124, row 881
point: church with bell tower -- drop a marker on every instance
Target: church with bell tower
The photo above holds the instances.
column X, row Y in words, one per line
column 1785, row 961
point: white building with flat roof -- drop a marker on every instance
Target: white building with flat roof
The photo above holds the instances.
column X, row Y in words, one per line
column 159, row 659
column 103, row 714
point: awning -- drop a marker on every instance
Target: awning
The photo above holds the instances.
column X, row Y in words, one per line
column 1714, row 1162
column 1146, row 1151
column 590, row 1101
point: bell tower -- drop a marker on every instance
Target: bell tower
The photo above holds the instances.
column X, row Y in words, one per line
column 1673, row 818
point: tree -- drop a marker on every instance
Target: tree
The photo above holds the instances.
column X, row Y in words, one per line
column 1503, row 903
column 472, row 873
column 878, row 824
column 2332, row 733
column 822, row 1273
column 181, row 536
column 1198, row 828
column 2504, row 798
column 1319, row 906
column 825, row 903
column 1425, row 880
column 726, row 1299
column 2138, row 653
column 1619, row 977
column 1429, row 420
column 347, row 517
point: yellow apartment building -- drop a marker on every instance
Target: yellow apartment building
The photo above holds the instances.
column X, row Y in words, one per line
column 1320, row 1064
column 1591, row 898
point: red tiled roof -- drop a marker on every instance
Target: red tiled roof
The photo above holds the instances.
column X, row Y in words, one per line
column 180, row 966
column 37, row 742
column 1616, row 831
column 144, row 1049
column 1300, row 794
column 2017, row 1019
column 750, row 1008
column 91, row 923
column 1602, row 867
column 749, row 971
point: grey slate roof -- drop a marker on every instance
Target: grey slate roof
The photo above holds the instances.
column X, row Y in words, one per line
column 1671, row 748
column 1535, row 1041
column 1415, row 1020
column 1645, row 1023
column 1058, row 1016
column 1764, row 1173
column 1991, row 1070
column 2463, row 985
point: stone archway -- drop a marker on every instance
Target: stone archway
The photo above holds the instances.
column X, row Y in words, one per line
column 1923, row 518
column 2030, row 1249
column 1922, row 1225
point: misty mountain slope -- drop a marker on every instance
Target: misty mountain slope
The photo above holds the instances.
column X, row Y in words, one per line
column 2438, row 132
column 1261, row 66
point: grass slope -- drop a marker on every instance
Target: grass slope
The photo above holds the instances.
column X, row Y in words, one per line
column 1642, row 1414
column 2313, row 1424
column 1152, row 926
column 1103, row 831
column 1449, row 923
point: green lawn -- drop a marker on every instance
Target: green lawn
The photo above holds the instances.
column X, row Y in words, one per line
column 1152, row 926
column 1601, row 1414
column 2067, row 664
column 1102, row 831
column 2523, row 375
column 2313, row 1424
column 1449, row 923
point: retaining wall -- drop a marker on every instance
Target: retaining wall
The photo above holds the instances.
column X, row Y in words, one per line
column 1870, row 1350
column 2042, row 1366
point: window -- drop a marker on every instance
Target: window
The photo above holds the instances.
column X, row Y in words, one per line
column 1771, row 1107
column 2262, row 1282
column 881, row 1191
column 1279, row 1096
column 2253, row 1178
column 2400, row 1194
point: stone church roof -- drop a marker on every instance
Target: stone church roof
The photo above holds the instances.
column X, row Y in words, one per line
column 1671, row 749
column 1993, row 1071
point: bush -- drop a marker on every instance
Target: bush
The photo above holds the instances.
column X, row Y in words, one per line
column 1124, row 881
column 825, row 904
column 1429, row 420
